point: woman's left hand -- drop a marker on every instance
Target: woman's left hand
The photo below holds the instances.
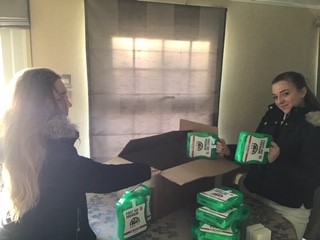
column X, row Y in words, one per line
column 274, row 152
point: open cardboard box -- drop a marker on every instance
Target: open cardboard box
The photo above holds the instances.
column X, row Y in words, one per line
column 177, row 186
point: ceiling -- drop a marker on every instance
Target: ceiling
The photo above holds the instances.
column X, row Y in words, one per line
column 296, row 3
column 313, row 4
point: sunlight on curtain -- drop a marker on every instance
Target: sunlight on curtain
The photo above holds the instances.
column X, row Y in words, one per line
column 164, row 74
column 150, row 65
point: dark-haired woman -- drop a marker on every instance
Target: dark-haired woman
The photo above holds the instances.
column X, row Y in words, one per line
column 287, row 183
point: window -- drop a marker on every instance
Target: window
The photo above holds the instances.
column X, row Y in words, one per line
column 160, row 79
column 149, row 66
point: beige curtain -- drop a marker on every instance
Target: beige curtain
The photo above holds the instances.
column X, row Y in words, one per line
column 149, row 65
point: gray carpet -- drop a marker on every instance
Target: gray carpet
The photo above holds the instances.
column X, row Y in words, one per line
column 103, row 221
column 177, row 226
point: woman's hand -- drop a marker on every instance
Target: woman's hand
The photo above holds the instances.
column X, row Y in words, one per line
column 222, row 148
column 155, row 171
column 274, row 152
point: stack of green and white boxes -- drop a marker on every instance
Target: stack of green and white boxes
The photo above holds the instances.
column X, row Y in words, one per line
column 221, row 212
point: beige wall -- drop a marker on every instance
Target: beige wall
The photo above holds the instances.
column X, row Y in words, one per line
column 58, row 42
column 261, row 41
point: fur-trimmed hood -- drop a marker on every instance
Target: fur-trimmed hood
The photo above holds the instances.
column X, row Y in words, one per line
column 313, row 118
column 60, row 127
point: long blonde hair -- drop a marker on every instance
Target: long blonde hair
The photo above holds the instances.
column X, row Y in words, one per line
column 33, row 104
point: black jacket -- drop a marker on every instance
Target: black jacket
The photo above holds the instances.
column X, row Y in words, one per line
column 61, row 213
column 292, row 178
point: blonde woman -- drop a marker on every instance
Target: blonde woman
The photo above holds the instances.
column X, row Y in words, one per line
column 45, row 180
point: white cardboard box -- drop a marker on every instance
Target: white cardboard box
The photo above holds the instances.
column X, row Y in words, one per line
column 258, row 232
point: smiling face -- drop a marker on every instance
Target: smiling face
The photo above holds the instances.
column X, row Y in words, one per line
column 286, row 95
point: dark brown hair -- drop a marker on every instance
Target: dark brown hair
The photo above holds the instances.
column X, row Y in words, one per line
column 299, row 81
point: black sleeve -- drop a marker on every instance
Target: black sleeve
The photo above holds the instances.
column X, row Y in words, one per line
column 87, row 175
column 102, row 178
column 310, row 156
column 313, row 227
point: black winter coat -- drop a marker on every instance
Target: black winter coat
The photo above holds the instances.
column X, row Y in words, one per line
column 61, row 213
column 292, row 178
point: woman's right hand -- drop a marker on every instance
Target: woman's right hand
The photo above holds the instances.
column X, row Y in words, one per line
column 222, row 148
